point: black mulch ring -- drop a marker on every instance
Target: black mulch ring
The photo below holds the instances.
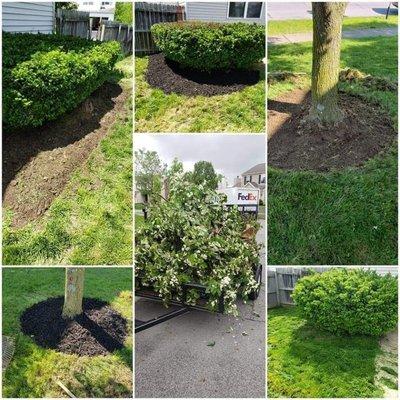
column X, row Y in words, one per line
column 171, row 78
column 99, row 330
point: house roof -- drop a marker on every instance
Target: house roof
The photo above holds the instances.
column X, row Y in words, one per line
column 257, row 169
column 251, row 184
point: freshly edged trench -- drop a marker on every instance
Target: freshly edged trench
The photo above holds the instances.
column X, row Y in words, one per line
column 38, row 164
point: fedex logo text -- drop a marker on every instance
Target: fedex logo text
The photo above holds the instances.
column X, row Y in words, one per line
column 247, row 196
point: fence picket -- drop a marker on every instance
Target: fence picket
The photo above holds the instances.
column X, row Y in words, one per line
column 77, row 23
column 148, row 14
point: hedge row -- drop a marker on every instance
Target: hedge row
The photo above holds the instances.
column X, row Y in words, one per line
column 211, row 46
column 19, row 47
column 349, row 302
column 49, row 83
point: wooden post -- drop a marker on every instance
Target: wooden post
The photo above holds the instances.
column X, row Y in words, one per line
column 278, row 295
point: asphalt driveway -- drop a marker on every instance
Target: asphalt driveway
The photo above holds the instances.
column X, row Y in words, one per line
column 203, row 354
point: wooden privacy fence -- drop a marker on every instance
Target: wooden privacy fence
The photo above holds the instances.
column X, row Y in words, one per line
column 111, row 30
column 78, row 23
column 281, row 283
column 73, row 23
column 148, row 14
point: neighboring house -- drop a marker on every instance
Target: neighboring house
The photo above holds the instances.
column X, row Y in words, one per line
column 98, row 11
column 254, row 177
column 226, row 11
column 30, row 17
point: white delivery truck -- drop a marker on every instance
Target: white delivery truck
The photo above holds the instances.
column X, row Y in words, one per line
column 245, row 199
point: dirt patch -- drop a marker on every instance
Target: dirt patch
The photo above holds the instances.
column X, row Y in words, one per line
column 295, row 145
column 171, row 78
column 37, row 164
column 99, row 330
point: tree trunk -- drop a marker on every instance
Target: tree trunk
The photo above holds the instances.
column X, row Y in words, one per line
column 73, row 292
column 327, row 37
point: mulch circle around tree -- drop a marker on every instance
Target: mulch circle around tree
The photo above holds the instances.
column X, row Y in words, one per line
column 99, row 330
column 171, row 78
column 297, row 145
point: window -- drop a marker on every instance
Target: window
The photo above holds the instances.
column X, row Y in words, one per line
column 244, row 9
column 236, row 9
column 254, row 9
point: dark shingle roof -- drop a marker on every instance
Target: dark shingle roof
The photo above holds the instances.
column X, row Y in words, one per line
column 257, row 169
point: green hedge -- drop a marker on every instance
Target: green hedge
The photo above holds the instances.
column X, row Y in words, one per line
column 348, row 301
column 51, row 76
column 211, row 46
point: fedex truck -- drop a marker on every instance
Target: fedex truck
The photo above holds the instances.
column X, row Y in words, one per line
column 245, row 199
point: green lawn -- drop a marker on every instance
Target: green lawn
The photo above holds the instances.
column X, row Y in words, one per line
column 33, row 371
column 90, row 223
column 305, row 362
column 155, row 111
column 345, row 217
column 305, row 25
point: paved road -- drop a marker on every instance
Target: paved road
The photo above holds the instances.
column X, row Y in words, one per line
column 353, row 34
column 282, row 11
column 173, row 359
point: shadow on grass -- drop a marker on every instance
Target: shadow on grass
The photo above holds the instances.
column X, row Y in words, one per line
column 347, row 355
column 307, row 362
column 376, row 56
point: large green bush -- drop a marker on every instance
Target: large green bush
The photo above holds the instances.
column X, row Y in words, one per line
column 194, row 238
column 50, row 75
column 211, row 46
column 348, row 301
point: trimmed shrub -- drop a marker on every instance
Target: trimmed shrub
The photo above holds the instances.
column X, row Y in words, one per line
column 41, row 86
column 348, row 301
column 211, row 46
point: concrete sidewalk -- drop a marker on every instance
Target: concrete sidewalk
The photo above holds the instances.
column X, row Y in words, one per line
column 283, row 11
column 202, row 354
column 349, row 34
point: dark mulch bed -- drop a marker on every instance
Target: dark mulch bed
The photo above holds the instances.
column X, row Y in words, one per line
column 297, row 145
column 171, row 78
column 99, row 330
column 38, row 163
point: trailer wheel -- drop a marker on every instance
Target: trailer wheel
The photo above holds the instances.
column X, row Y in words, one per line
column 258, row 277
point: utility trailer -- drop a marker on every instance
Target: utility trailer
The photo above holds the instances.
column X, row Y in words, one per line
column 183, row 308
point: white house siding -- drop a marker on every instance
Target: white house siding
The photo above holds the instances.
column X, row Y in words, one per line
column 28, row 17
column 217, row 12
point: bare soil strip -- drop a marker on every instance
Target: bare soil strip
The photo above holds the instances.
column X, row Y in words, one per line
column 171, row 78
column 37, row 164
column 298, row 145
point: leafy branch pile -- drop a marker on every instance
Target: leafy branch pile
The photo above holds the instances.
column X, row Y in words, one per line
column 348, row 302
column 192, row 237
column 45, row 76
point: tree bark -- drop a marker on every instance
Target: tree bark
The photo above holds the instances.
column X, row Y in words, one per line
column 327, row 38
column 73, row 292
